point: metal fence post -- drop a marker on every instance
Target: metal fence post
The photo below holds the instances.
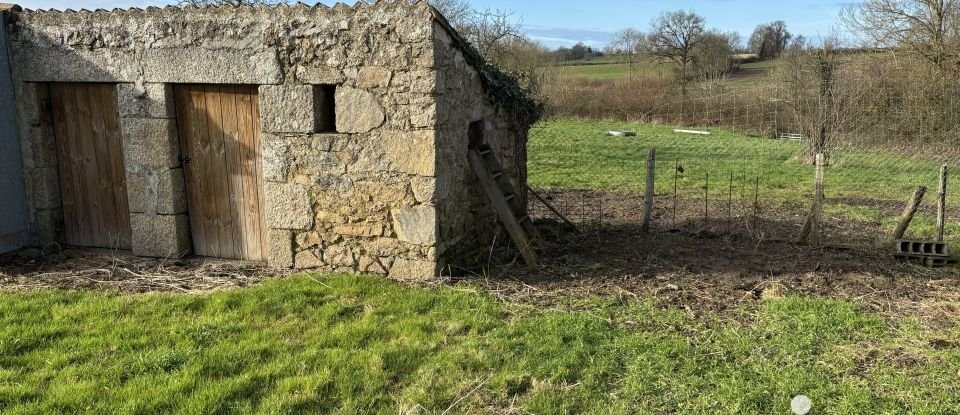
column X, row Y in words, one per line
column 942, row 203
column 649, row 191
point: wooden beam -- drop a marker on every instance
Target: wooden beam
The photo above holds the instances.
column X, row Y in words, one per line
column 552, row 209
column 495, row 194
column 908, row 212
column 697, row 132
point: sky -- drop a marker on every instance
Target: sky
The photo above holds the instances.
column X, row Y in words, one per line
column 566, row 22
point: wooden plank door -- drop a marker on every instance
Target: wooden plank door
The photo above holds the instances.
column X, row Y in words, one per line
column 220, row 145
column 93, row 182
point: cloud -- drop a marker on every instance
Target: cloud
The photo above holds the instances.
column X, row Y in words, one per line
column 558, row 36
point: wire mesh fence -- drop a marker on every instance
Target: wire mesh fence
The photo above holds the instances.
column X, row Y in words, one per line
column 867, row 190
column 885, row 123
column 736, row 185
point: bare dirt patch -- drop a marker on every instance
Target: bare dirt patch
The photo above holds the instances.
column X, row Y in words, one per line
column 703, row 273
column 715, row 266
column 739, row 216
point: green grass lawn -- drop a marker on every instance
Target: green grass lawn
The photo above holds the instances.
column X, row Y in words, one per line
column 577, row 154
column 752, row 75
column 614, row 67
column 567, row 153
column 365, row 345
column 611, row 69
column 598, row 60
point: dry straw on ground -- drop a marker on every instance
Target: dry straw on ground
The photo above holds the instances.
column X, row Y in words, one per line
column 105, row 270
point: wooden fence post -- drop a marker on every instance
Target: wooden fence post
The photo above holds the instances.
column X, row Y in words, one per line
column 676, row 174
column 706, row 201
column 908, row 212
column 649, row 191
column 942, row 203
column 756, row 201
column 730, row 204
column 811, row 228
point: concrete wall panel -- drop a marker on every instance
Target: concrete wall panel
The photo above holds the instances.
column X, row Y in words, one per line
column 14, row 222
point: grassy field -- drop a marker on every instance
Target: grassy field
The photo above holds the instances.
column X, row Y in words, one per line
column 613, row 67
column 365, row 345
column 558, row 159
column 577, row 154
column 753, row 74
column 596, row 60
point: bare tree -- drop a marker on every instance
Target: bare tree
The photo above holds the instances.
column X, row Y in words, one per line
column 457, row 12
column 492, row 32
column 713, row 54
column 626, row 41
column 929, row 28
column 627, row 44
column 823, row 97
column 770, row 40
column 673, row 38
column 797, row 43
column 524, row 60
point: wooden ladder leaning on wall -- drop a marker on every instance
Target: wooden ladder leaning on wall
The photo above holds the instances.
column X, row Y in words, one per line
column 504, row 197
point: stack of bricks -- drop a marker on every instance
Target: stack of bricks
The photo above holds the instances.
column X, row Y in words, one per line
column 930, row 254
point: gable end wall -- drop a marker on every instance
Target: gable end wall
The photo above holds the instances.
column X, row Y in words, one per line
column 469, row 225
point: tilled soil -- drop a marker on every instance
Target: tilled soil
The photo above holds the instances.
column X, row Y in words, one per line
column 718, row 261
column 703, row 272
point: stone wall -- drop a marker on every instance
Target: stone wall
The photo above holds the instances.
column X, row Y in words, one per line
column 375, row 181
column 360, row 199
column 14, row 222
column 468, row 222
column 156, row 191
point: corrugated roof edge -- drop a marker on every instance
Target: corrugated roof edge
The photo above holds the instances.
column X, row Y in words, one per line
column 299, row 5
column 503, row 89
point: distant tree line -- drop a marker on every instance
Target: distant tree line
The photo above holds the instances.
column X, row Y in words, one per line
column 576, row 52
column 770, row 40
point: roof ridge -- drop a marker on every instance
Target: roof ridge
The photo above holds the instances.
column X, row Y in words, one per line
column 339, row 6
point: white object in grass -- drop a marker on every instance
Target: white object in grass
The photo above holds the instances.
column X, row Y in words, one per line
column 692, row 132
column 801, row 405
column 621, row 133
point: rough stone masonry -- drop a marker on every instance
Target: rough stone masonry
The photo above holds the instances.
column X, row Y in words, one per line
column 385, row 188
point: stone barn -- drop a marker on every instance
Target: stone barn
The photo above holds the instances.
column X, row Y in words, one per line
column 304, row 136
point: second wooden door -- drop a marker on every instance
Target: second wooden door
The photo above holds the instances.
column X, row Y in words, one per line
column 220, row 148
